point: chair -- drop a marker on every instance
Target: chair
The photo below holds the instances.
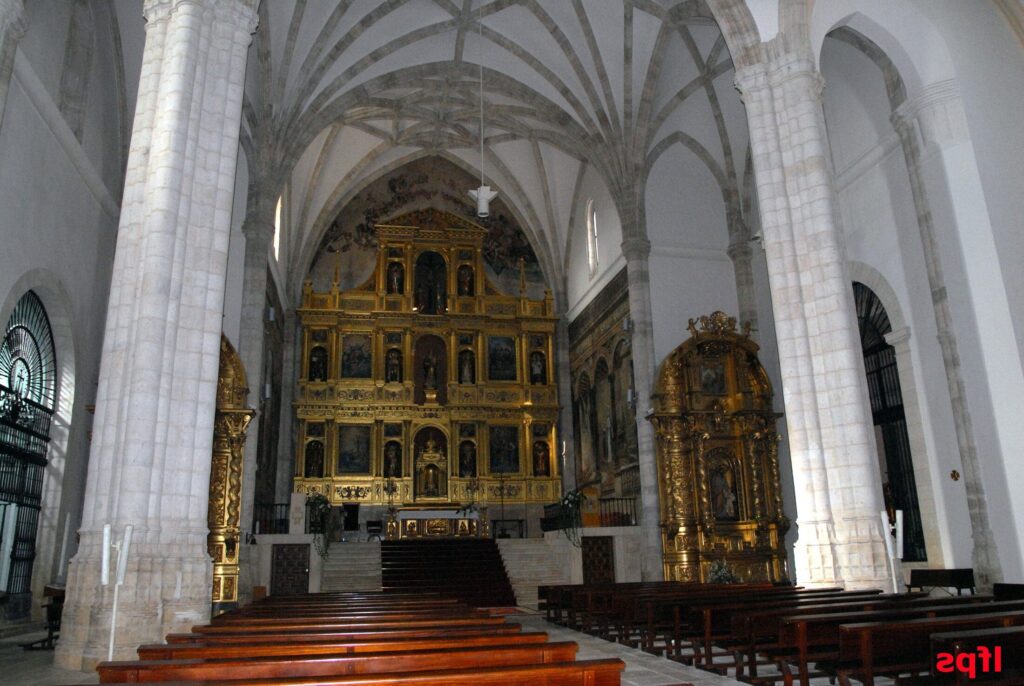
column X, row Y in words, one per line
column 374, row 528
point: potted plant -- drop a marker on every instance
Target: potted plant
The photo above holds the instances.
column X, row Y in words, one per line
column 319, row 509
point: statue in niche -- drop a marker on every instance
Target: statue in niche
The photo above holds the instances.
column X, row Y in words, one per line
column 318, row 364
column 431, row 481
column 393, row 365
column 430, row 371
column 467, row 459
column 467, row 367
column 392, row 460
column 465, row 280
column 538, row 370
column 712, row 379
column 396, row 278
column 541, row 459
column 431, row 474
column 723, row 494
column 431, row 294
column 314, row 460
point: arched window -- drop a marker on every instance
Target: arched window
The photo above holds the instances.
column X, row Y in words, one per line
column 27, row 401
column 592, row 256
column 889, row 419
column 277, row 228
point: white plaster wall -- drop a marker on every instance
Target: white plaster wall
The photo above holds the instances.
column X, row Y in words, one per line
column 580, row 286
column 58, row 234
column 235, row 277
column 880, row 228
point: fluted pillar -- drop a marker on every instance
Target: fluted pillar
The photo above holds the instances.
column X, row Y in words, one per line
column 637, row 252
column 259, row 233
column 835, row 465
column 12, row 28
column 153, row 432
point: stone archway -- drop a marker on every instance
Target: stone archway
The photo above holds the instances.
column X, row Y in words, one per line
column 224, row 517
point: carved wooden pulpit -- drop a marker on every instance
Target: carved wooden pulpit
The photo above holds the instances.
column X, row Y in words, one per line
column 720, row 496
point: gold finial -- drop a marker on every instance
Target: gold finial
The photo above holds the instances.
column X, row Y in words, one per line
column 337, row 271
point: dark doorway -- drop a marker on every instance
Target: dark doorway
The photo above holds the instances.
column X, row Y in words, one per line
column 598, row 560
column 889, row 418
column 289, row 570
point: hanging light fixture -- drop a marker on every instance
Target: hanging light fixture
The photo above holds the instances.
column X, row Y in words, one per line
column 483, row 195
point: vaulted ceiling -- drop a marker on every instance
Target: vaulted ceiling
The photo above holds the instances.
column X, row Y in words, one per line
column 340, row 92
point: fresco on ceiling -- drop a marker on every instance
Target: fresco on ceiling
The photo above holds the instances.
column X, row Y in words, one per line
column 349, row 243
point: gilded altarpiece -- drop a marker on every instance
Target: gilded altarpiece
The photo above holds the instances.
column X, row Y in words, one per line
column 717, row 452
column 425, row 387
column 223, row 517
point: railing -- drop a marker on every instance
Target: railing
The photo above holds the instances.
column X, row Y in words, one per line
column 270, row 518
column 629, row 479
column 557, row 517
column 618, row 511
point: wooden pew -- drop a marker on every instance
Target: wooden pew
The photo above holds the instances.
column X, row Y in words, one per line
column 341, row 634
column 960, row 579
column 903, row 647
column 815, row 638
column 366, row 623
column 580, row 673
column 260, row 648
column 334, row 665
column 1010, row 641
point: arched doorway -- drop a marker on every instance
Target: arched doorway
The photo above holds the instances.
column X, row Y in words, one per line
column 27, row 401
column 889, row 419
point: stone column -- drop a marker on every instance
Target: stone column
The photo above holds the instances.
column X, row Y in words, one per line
column 259, row 233
column 936, row 119
column 567, row 432
column 740, row 252
column 835, row 466
column 12, row 28
column 291, row 353
column 637, row 251
column 153, row 432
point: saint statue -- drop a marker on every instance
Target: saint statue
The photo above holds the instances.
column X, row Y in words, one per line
column 465, row 280
column 430, row 371
column 541, row 463
column 392, row 461
column 467, row 371
column 538, row 374
column 467, row 460
column 396, row 278
column 393, row 365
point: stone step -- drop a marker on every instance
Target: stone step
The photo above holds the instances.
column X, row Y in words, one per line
column 352, row 567
column 533, row 562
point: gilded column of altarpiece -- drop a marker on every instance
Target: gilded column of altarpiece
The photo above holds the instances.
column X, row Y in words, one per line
column 425, row 386
column 717, row 452
column 224, row 516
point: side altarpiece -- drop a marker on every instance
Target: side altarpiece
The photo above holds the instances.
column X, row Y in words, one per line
column 720, row 495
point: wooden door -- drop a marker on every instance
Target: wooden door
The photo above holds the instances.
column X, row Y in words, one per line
column 289, row 571
column 598, row 560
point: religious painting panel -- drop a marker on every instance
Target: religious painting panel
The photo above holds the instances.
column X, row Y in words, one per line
column 353, row 449
column 504, row 449
column 392, row 460
column 467, row 459
column 314, row 460
column 501, row 358
column 431, row 283
column 712, row 378
column 356, row 357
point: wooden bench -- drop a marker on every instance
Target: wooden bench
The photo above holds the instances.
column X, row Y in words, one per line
column 260, row 648
column 341, row 634
column 1010, row 641
column 334, row 665
column 366, row 623
column 903, row 647
column 605, row 672
column 815, row 638
column 960, row 579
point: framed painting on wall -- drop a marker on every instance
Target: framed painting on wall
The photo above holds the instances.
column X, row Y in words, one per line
column 501, row 358
column 353, row 449
column 504, row 449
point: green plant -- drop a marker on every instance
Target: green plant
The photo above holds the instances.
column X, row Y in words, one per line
column 570, row 516
column 319, row 509
column 721, row 573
